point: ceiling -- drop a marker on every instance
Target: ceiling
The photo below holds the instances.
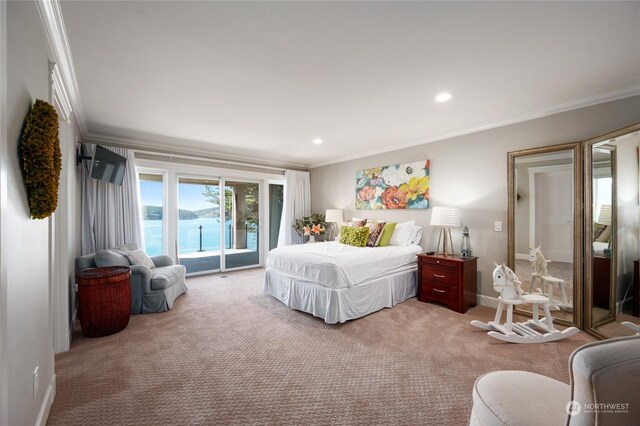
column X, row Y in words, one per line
column 262, row 80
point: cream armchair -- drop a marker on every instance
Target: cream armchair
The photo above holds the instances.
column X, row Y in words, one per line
column 604, row 377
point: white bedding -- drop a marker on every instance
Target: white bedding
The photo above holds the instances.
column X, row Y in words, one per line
column 335, row 265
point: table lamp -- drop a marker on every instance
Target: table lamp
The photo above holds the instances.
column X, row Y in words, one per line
column 447, row 218
column 333, row 216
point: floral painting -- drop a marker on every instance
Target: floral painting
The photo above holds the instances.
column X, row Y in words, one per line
column 402, row 186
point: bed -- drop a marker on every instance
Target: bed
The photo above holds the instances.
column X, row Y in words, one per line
column 339, row 282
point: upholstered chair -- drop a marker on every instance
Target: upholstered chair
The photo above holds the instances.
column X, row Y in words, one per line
column 604, row 376
column 156, row 282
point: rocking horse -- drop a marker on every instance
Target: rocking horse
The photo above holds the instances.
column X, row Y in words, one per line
column 508, row 285
column 541, row 272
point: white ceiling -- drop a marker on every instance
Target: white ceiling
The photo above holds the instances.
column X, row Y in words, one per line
column 262, row 80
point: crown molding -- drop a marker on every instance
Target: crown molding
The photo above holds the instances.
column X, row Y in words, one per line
column 568, row 106
column 186, row 151
column 53, row 23
column 59, row 93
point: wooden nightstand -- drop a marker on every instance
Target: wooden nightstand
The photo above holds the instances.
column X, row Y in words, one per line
column 449, row 280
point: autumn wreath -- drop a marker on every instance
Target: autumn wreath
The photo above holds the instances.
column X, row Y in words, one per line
column 41, row 158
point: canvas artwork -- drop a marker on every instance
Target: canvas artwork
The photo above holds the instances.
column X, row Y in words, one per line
column 401, row 186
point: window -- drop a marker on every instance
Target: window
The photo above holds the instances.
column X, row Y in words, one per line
column 152, row 200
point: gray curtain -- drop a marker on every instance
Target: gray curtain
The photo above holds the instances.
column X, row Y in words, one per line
column 111, row 213
column 297, row 203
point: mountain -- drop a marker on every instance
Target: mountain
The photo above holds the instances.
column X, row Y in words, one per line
column 186, row 214
column 152, row 212
column 209, row 212
column 155, row 213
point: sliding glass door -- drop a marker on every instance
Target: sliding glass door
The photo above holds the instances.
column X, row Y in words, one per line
column 199, row 224
column 218, row 229
column 242, row 218
column 209, row 222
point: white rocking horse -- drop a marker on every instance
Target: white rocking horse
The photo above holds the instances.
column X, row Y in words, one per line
column 541, row 272
column 508, row 285
column 634, row 327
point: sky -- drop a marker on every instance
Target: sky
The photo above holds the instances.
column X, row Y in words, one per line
column 189, row 195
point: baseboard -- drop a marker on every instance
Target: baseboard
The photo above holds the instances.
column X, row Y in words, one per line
column 522, row 256
column 47, row 402
column 489, row 301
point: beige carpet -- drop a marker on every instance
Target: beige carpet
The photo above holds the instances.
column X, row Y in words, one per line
column 227, row 354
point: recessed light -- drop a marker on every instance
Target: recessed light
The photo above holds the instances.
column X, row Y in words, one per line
column 317, row 141
column 443, row 97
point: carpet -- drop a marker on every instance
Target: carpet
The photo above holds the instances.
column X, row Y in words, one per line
column 228, row 354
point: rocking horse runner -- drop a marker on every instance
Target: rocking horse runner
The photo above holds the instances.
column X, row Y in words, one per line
column 508, row 285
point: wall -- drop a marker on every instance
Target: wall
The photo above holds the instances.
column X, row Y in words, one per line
column 26, row 326
column 470, row 172
column 627, row 205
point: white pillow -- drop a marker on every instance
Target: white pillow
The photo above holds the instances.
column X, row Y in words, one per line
column 139, row 257
column 402, row 233
column 416, row 235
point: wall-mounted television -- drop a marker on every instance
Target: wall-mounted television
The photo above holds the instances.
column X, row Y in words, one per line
column 108, row 166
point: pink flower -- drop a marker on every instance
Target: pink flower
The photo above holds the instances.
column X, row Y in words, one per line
column 367, row 193
column 316, row 230
column 307, row 230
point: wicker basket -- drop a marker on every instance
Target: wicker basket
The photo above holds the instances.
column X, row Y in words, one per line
column 104, row 300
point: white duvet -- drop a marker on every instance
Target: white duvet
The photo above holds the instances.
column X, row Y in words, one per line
column 336, row 265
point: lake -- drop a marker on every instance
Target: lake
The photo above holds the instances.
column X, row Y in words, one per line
column 189, row 236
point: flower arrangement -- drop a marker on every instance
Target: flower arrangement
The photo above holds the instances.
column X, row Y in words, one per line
column 311, row 225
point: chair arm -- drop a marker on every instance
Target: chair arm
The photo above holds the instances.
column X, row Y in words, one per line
column 162, row 260
column 140, row 279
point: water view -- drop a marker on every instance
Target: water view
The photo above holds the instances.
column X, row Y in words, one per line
column 189, row 235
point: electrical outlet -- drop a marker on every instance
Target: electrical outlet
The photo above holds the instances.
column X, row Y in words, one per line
column 497, row 226
column 35, row 382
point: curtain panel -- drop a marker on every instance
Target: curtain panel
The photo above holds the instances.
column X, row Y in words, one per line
column 111, row 213
column 297, row 204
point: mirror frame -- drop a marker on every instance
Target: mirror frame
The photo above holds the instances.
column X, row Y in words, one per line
column 576, row 147
column 589, row 327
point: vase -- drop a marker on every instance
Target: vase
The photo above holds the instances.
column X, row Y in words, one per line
column 312, row 238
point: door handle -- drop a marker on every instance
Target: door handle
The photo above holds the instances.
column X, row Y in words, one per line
column 439, row 291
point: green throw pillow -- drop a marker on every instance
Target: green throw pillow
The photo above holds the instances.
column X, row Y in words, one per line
column 386, row 234
column 356, row 237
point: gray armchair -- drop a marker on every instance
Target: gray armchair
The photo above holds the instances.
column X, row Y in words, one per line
column 603, row 391
column 152, row 289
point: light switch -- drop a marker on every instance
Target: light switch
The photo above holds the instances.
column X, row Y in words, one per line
column 497, row 226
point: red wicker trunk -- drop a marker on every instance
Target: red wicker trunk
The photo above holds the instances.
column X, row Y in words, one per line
column 104, row 300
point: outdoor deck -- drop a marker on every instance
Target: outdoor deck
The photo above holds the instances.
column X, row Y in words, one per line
column 210, row 260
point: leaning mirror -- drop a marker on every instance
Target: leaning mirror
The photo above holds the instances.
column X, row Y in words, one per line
column 612, row 233
column 545, row 226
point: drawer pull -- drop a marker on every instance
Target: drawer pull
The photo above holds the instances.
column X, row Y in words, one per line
column 439, row 276
column 439, row 291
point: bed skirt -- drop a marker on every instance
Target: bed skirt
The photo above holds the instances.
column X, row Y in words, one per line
column 344, row 304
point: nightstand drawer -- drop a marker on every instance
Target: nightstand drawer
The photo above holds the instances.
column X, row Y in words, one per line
column 440, row 293
column 441, row 274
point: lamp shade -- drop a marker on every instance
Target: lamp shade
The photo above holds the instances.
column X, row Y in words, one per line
column 446, row 217
column 334, row 216
column 604, row 218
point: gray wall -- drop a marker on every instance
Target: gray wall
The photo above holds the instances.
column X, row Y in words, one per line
column 470, row 172
column 25, row 243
